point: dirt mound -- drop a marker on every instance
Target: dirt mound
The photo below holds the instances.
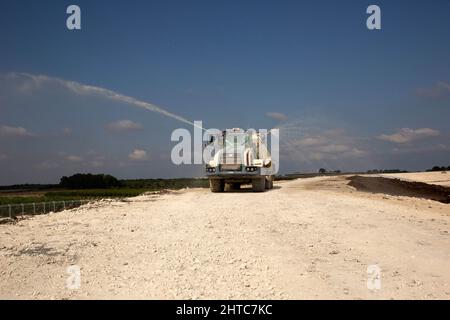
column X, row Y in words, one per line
column 397, row 187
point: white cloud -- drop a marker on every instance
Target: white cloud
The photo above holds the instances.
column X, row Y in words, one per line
column 439, row 90
column 73, row 158
column 97, row 164
column 333, row 148
column 138, row 155
column 314, row 146
column 315, row 156
column 93, row 153
column 355, row 152
column 123, row 125
column 14, row 131
column 333, row 152
column 311, row 141
column 406, row 135
column 421, row 149
column 46, row 165
column 277, row 116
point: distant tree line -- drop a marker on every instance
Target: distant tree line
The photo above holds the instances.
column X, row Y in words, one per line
column 437, row 168
column 157, row 184
column 386, row 171
column 30, row 187
column 323, row 171
column 89, row 181
column 105, row 181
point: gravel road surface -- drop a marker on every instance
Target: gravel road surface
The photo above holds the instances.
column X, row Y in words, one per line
column 305, row 239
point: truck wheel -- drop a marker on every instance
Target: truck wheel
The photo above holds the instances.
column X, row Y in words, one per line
column 269, row 183
column 259, row 184
column 216, row 185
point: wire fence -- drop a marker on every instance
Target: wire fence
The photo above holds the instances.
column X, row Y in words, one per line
column 19, row 209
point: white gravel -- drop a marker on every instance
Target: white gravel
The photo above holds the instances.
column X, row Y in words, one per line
column 440, row 177
column 306, row 239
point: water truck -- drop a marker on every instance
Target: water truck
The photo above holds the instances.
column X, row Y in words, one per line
column 240, row 157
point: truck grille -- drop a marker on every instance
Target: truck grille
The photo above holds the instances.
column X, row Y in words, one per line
column 230, row 167
column 231, row 158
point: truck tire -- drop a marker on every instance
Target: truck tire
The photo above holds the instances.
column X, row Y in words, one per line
column 216, row 185
column 269, row 183
column 259, row 184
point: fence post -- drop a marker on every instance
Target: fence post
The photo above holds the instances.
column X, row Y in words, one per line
column 44, row 207
column 64, row 205
column 23, row 209
column 34, row 208
column 54, row 207
column 9, row 206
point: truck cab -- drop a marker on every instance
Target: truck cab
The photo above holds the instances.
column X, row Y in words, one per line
column 240, row 157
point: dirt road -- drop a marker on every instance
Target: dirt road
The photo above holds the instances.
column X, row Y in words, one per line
column 305, row 239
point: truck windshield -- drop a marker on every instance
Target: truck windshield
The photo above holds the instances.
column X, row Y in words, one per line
column 235, row 140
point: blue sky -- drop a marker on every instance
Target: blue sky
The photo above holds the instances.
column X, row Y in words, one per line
column 344, row 97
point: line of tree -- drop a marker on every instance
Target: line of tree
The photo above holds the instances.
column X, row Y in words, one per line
column 89, row 181
column 177, row 183
column 437, row 168
column 323, row 171
column 386, row 171
column 105, row 181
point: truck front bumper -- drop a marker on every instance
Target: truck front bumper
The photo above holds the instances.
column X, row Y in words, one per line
column 242, row 171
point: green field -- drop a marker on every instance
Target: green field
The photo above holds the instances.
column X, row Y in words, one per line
column 128, row 188
column 65, row 195
column 38, row 199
